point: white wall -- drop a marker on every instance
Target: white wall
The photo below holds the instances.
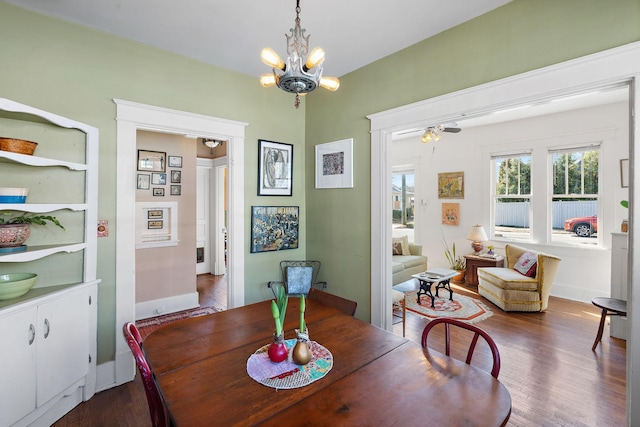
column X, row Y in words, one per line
column 584, row 272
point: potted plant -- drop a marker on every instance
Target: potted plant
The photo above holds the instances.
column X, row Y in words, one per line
column 15, row 227
column 456, row 262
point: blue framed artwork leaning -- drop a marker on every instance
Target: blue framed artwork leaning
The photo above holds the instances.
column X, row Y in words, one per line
column 275, row 168
column 274, row 228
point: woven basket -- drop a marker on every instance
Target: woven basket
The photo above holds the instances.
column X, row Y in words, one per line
column 20, row 146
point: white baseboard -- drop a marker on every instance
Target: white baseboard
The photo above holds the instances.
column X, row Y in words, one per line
column 168, row 305
column 573, row 293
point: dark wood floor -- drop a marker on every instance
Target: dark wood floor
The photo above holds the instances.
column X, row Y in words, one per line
column 547, row 365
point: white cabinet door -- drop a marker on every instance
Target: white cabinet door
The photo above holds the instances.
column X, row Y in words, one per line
column 17, row 365
column 63, row 343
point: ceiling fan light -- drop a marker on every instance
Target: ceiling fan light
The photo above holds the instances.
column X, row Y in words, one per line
column 267, row 80
column 330, row 83
column 315, row 58
column 271, row 58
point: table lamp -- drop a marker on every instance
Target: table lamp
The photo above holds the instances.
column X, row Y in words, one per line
column 477, row 236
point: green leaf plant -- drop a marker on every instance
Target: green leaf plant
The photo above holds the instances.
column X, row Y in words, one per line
column 28, row 218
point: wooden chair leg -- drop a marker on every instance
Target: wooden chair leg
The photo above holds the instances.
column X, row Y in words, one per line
column 600, row 329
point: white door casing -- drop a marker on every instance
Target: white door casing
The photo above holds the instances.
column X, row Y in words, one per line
column 132, row 117
column 203, row 213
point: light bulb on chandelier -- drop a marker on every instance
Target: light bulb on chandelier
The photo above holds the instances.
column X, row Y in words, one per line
column 294, row 76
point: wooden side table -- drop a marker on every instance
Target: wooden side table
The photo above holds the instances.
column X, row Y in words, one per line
column 474, row 262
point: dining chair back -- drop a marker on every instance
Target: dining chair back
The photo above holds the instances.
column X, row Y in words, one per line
column 477, row 332
column 345, row 305
column 157, row 409
column 297, row 277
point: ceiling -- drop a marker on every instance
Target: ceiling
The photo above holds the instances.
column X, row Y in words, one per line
column 231, row 33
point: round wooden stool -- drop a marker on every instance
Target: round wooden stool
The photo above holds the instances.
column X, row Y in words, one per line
column 610, row 307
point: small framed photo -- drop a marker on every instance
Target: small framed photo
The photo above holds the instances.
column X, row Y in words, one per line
column 334, row 164
column 152, row 161
column 275, row 168
column 624, row 173
column 175, row 161
column 154, row 225
column 144, row 181
column 154, row 214
column 158, row 191
column 176, row 177
column 176, row 190
column 158, row 178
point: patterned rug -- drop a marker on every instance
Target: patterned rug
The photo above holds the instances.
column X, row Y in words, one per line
column 146, row 326
column 462, row 307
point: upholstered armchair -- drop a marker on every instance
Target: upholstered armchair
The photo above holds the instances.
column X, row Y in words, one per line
column 510, row 289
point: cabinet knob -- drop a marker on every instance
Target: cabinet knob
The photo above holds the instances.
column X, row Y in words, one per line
column 32, row 333
column 47, row 328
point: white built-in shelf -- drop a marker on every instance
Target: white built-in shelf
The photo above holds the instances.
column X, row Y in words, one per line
column 36, row 252
column 42, row 207
column 40, row 161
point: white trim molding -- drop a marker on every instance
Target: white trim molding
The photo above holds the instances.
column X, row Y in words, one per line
column 132, row 117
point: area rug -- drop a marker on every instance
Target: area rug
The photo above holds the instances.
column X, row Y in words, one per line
column 146, row 326
column 463, row 308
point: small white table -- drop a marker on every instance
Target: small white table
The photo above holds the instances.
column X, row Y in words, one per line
column 441, row 277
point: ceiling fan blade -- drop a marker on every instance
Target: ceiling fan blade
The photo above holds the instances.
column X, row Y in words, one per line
column 452, row 130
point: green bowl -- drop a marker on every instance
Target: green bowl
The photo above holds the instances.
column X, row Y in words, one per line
column 14, row 285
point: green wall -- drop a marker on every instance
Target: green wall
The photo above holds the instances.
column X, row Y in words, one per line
column 76, row 72
column 521, row 36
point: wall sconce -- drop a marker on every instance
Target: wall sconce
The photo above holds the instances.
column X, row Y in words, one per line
column 212, row 143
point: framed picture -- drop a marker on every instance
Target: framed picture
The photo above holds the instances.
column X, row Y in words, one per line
column 154, row 214
column 176, row 177
column 175, row 161
column 451, row 213
column 158, row 178
column 275, row 168
column 152, row 161
column 176, row 190
column 144, row 181
column 624, row 173
column 451, row 185
column 154, row 225
column 158, row 191
column 334, row 164
column 274, row 228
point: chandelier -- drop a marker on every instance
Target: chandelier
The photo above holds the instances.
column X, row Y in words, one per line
column 297, row 76
column 432, row 134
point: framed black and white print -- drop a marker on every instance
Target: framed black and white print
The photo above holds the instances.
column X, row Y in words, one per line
column 175, row 161
column 152, row 161
column 334, row 164
column 176, row 190
column 144, row 181
column 158, row 178
column 275, row 168
column 158, row 191
column 274, row 228
column 176, row 177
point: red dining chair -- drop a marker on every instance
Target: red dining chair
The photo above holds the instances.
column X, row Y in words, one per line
column 157, row 409
column 477, row 332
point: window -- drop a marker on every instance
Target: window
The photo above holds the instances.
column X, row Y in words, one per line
column 512, row 196
column 403, row 194
column 575, row 195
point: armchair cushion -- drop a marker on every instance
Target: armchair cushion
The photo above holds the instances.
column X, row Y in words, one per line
column 401, row 245
column 527, row 264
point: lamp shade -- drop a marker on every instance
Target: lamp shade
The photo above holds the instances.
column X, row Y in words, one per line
column 477, row 234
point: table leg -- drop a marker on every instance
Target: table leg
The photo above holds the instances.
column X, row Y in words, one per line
column 425, row 289
column 600, row 329
column 446, row 285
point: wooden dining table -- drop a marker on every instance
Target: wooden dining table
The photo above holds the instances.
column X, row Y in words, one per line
column 377, row 378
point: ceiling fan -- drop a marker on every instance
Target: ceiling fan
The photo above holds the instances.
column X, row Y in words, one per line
column 433, row 133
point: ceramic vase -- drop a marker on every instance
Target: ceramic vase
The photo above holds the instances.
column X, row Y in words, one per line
column 302, row 352
column 277, row 350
